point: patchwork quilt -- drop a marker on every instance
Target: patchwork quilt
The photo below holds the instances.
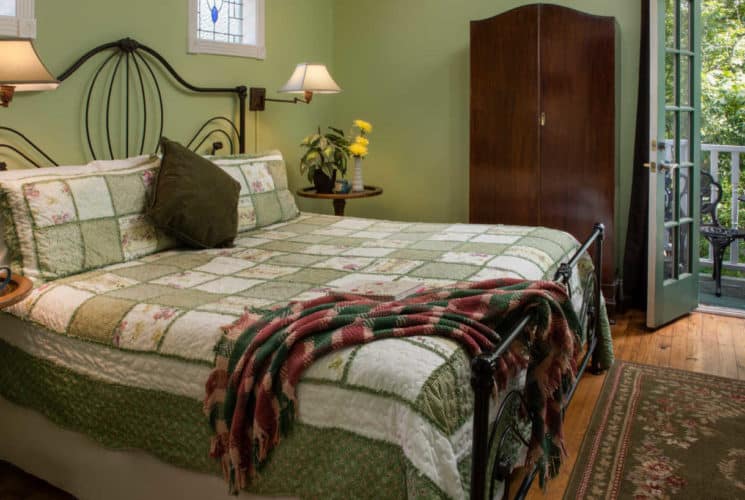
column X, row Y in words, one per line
column 405, row 403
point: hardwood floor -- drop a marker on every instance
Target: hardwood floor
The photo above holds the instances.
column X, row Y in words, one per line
column 699, row 342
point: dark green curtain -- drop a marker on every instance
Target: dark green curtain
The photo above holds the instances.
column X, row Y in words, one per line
column 635, row 257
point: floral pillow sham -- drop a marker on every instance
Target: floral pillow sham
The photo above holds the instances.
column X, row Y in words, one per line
column 264, row 197
column 65, row 220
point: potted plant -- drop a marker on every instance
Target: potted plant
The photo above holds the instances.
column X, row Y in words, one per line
column 325, row 156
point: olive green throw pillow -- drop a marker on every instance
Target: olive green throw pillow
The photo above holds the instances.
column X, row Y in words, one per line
column 195, row 201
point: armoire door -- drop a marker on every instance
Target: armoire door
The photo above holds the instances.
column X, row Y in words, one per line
column 578, row 150
column 505, row 138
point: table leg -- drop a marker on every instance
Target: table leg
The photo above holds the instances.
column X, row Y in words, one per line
column 339, row 207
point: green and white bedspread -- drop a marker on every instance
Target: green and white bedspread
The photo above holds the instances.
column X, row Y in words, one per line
column 122, row 353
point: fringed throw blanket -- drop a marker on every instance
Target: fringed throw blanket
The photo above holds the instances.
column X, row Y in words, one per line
column 251, row 399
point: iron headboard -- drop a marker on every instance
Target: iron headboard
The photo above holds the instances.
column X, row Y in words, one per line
column 136, row 62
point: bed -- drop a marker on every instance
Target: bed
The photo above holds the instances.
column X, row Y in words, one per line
column 103, row 370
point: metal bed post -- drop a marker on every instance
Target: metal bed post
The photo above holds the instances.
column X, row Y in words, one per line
column 598, row 263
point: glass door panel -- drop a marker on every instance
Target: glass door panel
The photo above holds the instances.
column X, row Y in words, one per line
column 674, row 159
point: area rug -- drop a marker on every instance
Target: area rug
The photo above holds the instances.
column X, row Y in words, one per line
column 663, row 433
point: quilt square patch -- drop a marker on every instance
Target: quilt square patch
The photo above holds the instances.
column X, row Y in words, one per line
column 476, row 259
column 50, row 203
column 102, row 243
column 377, row 366
column 258, row 178
column 195, row 334
column 144, row 326
column 499, row 239
column 353, row 279
column 89, row 323
column 371, row 235
column 60, row 250
column 56, row 307
column 276, row 291
column 246, row 213
column 128, row 194
column 249, row 241
column 185, row 298
column 267, row 271
column 449, row 236
column 345, row 263
column 537, row 256
column 102, row 283
column 234, row 305
column 523, row 267
column 225, row 265
column 92, row 199
column 493, row 274
column 368, row 252
column 228, row 285
column 184, row 279
column 352, row 223
column 393, row 266
column 445, row 271
column 267, row 207
column 256, row 254
column 313, row 276
column 138, row 236
column 325, row 249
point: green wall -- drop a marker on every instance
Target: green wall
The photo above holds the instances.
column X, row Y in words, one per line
column 297, row 30
column 405, row 67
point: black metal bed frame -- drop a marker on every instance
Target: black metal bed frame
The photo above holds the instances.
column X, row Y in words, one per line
column 487, row 445
column 139, row 74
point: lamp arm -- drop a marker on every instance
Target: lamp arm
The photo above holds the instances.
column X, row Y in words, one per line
column 295, row 100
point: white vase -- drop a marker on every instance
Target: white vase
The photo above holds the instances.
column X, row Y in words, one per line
column 357, row 182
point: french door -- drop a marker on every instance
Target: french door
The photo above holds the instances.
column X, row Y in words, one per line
column 674, row 159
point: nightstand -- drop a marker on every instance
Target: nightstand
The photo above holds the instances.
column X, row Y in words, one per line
column 340, row 199
column 18, row 288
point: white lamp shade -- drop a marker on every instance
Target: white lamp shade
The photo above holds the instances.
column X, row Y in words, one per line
column 311, row 78
column 21, row 67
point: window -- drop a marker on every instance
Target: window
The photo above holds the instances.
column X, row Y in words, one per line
column 17, row 18
column 226, row 27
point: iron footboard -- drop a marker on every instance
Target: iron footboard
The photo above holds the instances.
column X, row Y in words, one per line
column 485, row 437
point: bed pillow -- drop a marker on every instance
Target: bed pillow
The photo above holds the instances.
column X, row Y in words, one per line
column 264, row 198
column 65, row 220
column 194, row 200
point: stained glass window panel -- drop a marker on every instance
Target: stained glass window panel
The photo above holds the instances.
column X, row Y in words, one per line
column 223, row 21
column 7, row 7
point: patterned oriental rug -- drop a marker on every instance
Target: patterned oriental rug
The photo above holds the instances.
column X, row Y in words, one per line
column 663, row 433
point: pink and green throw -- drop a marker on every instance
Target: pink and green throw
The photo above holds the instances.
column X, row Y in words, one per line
column 251, row 393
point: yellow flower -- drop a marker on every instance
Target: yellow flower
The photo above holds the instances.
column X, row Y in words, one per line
column 358, row 150
column 361, row 140
column 364, row 126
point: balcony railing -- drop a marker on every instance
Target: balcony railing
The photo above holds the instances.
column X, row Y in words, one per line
column 715, row 155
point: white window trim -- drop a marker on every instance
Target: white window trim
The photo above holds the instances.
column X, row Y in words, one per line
column 199, row 46
column 23, row 24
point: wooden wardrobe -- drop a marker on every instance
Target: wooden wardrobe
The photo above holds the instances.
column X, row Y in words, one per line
column 543, row 123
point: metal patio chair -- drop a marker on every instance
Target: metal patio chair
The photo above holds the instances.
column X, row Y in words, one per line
column 719, row 236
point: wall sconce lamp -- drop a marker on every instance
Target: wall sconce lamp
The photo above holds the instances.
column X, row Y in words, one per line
column 21, row 70
column 307, row 79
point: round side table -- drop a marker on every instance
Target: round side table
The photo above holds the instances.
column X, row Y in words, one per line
column 340, row 199
column 18, row 289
